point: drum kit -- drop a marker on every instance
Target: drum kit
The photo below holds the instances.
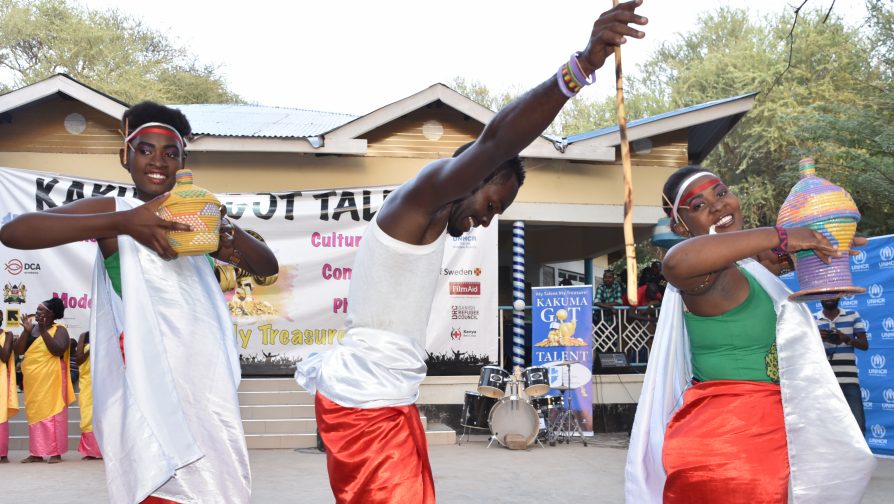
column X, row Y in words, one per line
column 516, row 408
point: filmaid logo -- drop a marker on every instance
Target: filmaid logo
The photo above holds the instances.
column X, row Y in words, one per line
column 876, row 295
column 465, row 288
column 878, row 432
column 886, row 257
column 878, row 365
column 858, row 262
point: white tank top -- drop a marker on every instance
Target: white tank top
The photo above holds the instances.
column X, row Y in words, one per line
column 381, row 360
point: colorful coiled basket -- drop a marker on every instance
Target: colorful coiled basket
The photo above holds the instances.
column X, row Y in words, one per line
column 818, row 204
column 197, row 207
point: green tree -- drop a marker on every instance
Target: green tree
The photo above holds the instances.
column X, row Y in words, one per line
column 108, row 51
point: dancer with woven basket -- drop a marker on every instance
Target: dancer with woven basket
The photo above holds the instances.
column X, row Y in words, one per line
column 164, row 358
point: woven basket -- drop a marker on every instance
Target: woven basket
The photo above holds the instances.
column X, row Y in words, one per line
column 816, row 203
column 197, row 207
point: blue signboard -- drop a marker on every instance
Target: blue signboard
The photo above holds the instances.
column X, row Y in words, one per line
column 873, row 269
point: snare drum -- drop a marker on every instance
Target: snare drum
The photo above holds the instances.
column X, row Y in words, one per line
column 493, row 381
column 548, row 402
column 514, row 423
column 536, row 381
column 476, row 409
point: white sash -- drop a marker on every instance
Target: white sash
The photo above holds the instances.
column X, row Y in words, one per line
column 828, row 456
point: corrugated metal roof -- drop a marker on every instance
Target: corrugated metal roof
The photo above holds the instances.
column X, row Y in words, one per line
column 611, row 129
column 239, row 120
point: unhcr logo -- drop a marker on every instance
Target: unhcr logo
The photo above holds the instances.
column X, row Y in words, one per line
column 886, row 257
column 858, row 262
column 877, row 361
column 864, row 394
column 846, row 302
column 878, row 434
column 876, row 295
column 888, row 328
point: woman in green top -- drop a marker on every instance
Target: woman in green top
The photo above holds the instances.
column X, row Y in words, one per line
column 715, row 417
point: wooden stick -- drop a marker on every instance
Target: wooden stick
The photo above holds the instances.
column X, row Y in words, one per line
column 629, row 244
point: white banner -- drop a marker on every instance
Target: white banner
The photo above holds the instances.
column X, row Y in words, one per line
column 280, row 319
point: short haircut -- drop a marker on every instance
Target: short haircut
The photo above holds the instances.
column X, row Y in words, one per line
column 149, row 111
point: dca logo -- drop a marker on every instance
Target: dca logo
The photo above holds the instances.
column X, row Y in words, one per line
column 876, row 295
column 877, row 361
column 15, row 266
column 878, row 435
column 858, row 262
column 886, row 256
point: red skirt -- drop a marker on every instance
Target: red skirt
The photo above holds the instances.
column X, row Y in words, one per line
column 375, row 455
column 727, row 444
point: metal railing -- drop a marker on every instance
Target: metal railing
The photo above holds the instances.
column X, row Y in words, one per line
column 626, row 329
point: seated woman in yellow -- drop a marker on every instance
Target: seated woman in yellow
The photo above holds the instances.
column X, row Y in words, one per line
column 88, row 447
column 9, row 397
column 47, row 382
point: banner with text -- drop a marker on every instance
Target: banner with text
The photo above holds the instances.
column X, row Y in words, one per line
column 278, row 319
column 562, row 333
column 873, row 269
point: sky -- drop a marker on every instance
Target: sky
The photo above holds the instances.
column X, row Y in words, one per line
column 355, row 56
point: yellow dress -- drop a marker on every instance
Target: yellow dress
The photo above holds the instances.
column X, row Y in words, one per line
column 48, row 392
column 9, row 394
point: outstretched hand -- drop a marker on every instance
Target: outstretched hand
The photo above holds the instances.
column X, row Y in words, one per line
column 145, row 226
column 802, row 238
column 610, row 31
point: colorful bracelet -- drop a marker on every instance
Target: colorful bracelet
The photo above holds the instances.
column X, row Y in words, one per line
column 571, row 77
column 782, row 248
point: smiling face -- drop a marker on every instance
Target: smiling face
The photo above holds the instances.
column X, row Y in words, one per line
column 479, row 208
column 152, row 161
column 708, row 202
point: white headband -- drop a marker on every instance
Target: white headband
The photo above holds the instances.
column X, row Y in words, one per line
column 692, row 178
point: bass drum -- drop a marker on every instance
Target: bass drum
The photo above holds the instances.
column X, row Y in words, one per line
column 514, row 423
column 476, row 409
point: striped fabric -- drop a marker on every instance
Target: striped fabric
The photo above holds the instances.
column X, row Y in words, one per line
column 841, row 356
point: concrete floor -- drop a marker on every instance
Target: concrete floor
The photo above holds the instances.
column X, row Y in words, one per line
column 469, row 473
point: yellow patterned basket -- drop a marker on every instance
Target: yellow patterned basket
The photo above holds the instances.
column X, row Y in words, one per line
column 197, row 207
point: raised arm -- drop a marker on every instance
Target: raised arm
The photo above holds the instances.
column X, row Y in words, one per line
column 82, row 353
column 6, row 348
column 687, row 263
column 519, row 123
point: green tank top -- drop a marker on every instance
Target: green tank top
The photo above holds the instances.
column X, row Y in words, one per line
column 739, row 344
column 113, row 269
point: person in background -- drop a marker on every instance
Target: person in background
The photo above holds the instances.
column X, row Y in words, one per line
column 652, row 274
column 87, row 446
column 47, row 382
column 609, row 294
column 9, row 392
column 843, row 331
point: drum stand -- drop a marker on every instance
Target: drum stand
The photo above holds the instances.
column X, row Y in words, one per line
column 566, row 425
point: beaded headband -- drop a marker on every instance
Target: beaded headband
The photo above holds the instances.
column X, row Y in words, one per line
column 692, row 178
column 157, row 127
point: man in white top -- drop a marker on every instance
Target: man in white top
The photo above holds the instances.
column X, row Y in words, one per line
column 366, row 387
